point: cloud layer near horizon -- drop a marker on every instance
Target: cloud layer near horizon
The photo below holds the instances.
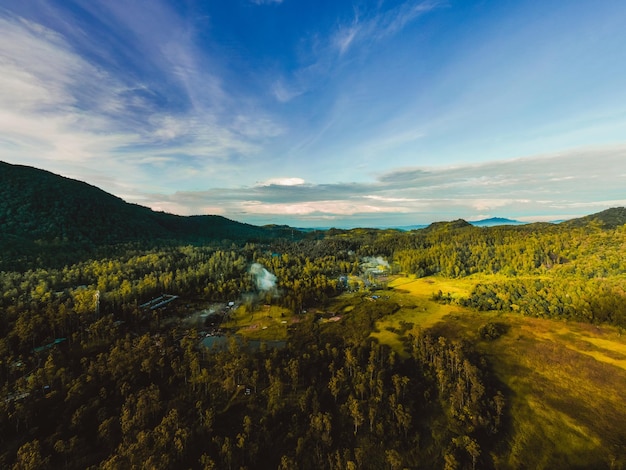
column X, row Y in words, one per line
column 549, row 187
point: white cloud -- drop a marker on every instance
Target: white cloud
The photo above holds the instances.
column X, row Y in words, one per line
column 52, row 107
column 379, row 25
column 67, row 112
column 283, row 182
column 389, row 199
column 331, row 207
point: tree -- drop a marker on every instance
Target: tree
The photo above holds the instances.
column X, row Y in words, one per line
column 286, row 463
column 320, row 427
column 394, row 459
column 207, row 462
column 274, row 392
column 293, row 369
column 29, row 457
column 354, row 408
column 336, row 382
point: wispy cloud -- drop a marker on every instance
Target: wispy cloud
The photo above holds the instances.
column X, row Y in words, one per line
column 327, row 49
column 65, row 105
column 52, row 103
column 345, row 36
column 284, row 92
column 399, row 17
column 375, row 26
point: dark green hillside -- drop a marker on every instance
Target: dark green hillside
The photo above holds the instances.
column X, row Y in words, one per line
column 610, row 218
column 40, row 210
column 38, row 205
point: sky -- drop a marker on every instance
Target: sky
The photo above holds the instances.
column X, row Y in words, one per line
column 317, row 113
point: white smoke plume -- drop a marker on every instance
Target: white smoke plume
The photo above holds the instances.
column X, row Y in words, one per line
column 265, row 280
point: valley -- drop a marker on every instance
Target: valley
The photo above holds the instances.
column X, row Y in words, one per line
column 451, row 346
column 291, row 235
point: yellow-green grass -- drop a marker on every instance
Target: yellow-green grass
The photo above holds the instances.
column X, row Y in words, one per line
column 600, row 342
column 564, row 382
column 268, row 322
column 426, row 286
column 421, row 315
column 417, row 307
column 566, row 407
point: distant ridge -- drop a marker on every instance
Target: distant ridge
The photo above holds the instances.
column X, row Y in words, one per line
column 494, row 221
column 407, row 228
column 455, row 224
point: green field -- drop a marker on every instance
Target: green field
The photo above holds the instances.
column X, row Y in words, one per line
column 267, row 322
column 564, row 381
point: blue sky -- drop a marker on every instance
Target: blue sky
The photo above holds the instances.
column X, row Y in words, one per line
column 323, row 113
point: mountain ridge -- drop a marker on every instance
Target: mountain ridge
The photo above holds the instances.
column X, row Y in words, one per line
column 40, row 210
column 29, row 196
column 607, row 219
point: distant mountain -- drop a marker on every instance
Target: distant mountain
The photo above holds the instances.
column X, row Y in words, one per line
column 607, row 219
column 39, row 209
column 453, row 225
column 408, row 228
column 494, row 221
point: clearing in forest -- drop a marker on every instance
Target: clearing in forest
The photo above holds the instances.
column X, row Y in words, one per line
column 563, row 381
column 418, row 310
column 266, row 322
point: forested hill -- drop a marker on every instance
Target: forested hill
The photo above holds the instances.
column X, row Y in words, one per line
column 607, row 219
column 610, row 218
column 39, row 209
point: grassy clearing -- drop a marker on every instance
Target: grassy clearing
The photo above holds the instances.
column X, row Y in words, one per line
column 416, row 307
column 268, row 322
column 425, row 287
column 566, row 407
column 564, row 381
column 603, row 343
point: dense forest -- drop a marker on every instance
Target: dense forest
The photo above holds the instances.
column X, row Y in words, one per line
column 96, row 373
column 93, row 379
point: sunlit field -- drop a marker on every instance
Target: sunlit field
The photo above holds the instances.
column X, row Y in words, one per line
column 564, row 381
column 267, row 322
